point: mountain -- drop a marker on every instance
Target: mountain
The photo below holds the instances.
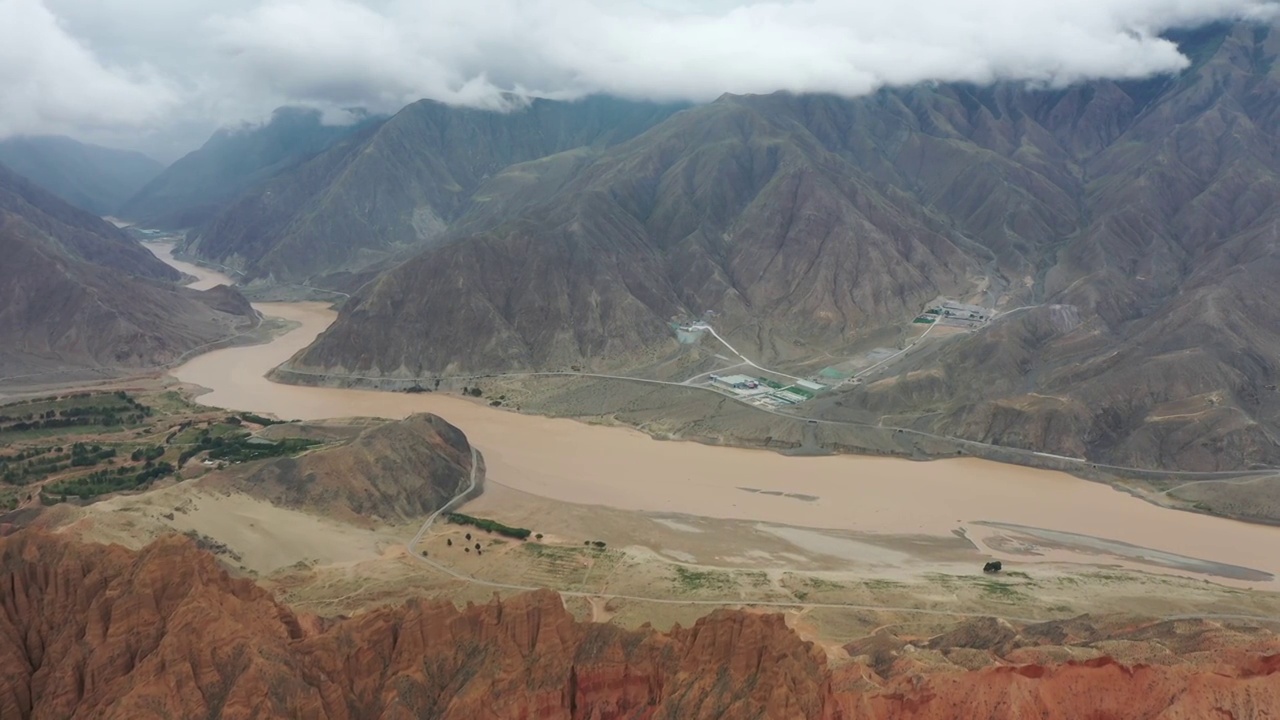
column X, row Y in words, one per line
column 200, row 184
column 93, row 178
column 401, row 184
column 77, row 292
column 94, row 631
column 1128, row 228
column 390, row 472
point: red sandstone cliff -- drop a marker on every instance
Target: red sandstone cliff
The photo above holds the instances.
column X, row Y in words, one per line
column 88, row 631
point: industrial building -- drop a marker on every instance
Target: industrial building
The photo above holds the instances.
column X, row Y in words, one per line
column 736, row 382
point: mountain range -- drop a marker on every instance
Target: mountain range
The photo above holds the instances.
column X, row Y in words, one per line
column 234, row 160
column 93, row 178
column 399, row 185
column 76, row 292
column 1126, row 230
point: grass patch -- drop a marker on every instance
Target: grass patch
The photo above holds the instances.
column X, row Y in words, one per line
column 1001, row 591
column 690, row 580
column 819, row 584
column 884, row 585
column 553, row 552
column 260, row 420
column 492, row 526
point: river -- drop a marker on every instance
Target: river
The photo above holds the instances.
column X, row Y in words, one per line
column 618, row 467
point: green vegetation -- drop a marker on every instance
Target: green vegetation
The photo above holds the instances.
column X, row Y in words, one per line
column 259, row 420
column 1001, row 591
column 88, row 411
column 243, row 448
column 146, row 454
column 36, row 464
column 883, row 584
column 553, row 552
column 924, row 320
column 691, row 580
column 771, row 383
column 102, row 482
column 492, row 526
column 820, row 584
column 190, row 435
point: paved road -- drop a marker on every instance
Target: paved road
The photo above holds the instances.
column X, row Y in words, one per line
column 411, row 546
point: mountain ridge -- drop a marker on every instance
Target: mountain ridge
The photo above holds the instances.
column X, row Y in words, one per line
column 201, row 183
column 1139, row 218
column 91, row 177
column 77, row 292
column 97, row 631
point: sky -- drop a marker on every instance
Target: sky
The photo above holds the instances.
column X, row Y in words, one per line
column 160, row 75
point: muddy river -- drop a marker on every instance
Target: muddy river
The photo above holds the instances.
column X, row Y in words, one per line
column 1049, row 516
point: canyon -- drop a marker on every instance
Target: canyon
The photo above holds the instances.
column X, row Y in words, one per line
column 92, row 631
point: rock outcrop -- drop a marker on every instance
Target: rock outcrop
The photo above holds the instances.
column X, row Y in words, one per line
column 91, row 631
column 392, row 471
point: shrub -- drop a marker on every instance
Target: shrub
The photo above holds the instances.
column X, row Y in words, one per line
column 489, row 526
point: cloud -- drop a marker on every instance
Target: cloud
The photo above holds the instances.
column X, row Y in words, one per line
column 51, row 82
column 223, row 61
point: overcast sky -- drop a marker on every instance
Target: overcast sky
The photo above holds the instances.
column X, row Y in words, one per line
column 161, row 74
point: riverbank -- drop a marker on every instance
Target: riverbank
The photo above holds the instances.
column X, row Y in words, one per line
column 621, row 468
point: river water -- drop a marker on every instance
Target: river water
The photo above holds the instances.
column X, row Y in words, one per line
column 622, row 468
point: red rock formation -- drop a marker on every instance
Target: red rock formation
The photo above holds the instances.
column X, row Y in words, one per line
column 89, row 631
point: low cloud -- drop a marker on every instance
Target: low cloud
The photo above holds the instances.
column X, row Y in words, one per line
column 69, row 64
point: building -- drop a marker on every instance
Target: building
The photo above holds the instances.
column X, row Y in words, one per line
column 810, row 385
column 736, row 382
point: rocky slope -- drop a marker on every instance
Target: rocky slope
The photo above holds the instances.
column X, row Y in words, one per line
column 399, row 185
column 1137, row 219
column 77, row 292
column 233, row 161
column 93, row 178
column 93, row 631
column 392, row 471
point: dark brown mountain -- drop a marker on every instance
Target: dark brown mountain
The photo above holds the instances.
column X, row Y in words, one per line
column 1136, row 218
column 399, row 184
column 76, row 292
column 97, row 632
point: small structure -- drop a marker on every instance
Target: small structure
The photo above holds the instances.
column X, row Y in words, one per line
column 810, row 385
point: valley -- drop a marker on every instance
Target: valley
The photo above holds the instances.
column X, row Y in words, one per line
column 687, row 524
column 641, row 363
